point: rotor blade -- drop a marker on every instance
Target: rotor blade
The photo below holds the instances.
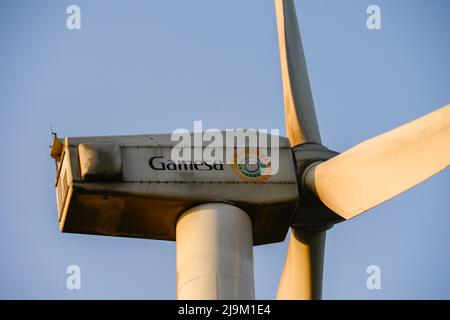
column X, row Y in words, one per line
column 382, row 167
column 301, row 122
column 302, row 273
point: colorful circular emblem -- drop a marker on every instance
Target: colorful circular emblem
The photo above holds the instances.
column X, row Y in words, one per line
column 251, row 166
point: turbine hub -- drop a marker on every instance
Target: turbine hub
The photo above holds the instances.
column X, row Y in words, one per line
column 311, row 214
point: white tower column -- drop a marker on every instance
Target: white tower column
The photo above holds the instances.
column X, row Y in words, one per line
column 214, row 253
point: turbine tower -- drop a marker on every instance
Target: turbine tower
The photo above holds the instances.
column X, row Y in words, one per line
column 217, row 211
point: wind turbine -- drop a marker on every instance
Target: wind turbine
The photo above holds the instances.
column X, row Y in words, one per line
column 216, row 212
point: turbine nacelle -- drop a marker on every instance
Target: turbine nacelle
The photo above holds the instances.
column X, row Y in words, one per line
column 130, row 186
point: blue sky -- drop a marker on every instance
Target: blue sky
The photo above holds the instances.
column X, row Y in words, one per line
column 154, row 66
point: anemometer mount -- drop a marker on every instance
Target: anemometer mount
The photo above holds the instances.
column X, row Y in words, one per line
column 311, row 214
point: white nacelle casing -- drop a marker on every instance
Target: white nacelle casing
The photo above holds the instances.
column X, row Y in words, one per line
column 128, row 186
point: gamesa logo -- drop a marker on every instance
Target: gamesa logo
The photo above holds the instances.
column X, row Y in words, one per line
column 251, row 166
column 158, row 163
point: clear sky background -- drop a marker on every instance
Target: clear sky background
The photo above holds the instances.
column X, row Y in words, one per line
column 154, row 66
